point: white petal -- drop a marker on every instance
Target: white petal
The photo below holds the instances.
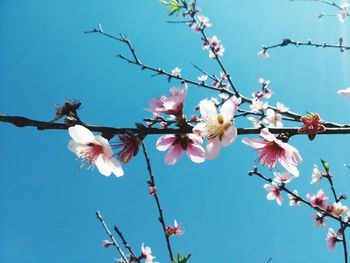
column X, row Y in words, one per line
column 107, row 150
column 229, row 136
column 213, row 148
column 200, row 129
column 115, row 166
column 195, row 153
column 81, row 135
column 228, row 110
column 102, row 167
column 207, row 109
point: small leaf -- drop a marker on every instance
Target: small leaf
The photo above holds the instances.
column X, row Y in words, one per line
column 325, row 165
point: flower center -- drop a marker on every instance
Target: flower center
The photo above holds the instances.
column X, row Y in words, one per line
column 217, row 127
column 90, row 155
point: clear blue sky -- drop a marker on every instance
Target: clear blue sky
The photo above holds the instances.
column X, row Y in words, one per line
column 47, row 204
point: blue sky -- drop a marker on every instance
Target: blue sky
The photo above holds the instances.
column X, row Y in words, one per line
column 48, row 204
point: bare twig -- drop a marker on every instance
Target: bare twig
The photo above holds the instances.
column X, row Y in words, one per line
column 120, row 251
column 126, row 244
column 160, row 210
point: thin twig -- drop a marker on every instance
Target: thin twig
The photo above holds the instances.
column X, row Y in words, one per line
column 120, row 251
column 160, row 210
column 126, row 244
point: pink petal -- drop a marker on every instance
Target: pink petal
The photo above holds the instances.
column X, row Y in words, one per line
column 255, row 143
column 289, row 167
column 164, row 142
column 267, row 135
column 173, row 155
column 229, row 136
column 213, row 148
column 197, row 139
column 344, row 92
column 195, row 153
column 81, row 135
column 200, row 129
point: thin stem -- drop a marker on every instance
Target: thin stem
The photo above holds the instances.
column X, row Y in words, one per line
column 160, row 210
column 287, row 42
column 126, row 244
column 99, row 216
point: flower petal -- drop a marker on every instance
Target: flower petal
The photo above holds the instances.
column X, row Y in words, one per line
column 207, row 109
column 228, row 110
column 255, row 143
column 173, row 155
column 115, row 166
column 195, row 153
column 102, row 167
column 164, row 142
column 81, row 135
column 107, row 150
column 229, row 136
column 267, row 135
column 213, row 148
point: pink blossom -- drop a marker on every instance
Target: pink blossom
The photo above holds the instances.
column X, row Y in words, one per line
column 316, row 175
column 217, row 128
column 203, row 21
column 106, row 243
column 129, row 145
column 202, row 78
column 319, row 16
column 272, row 150
column 178, row 143
column 176, row 72
column 282, row 178
column 258, row 106
column 319, row 200
column 274, row 192
column 223, row 75
column 273, row 119
column 147, row 254
column 174, row 230
column 94, row 150
column 319, row 219
column 281, row 107
column 263, row 53
column 339, row 209
column 152, row 190
column 216, row 49
column 172, row 104
column 294, row 200
column 332, row 238
column 344, row 92
column 341, row 16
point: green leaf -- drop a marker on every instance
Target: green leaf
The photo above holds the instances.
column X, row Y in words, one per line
column 325, row 165
column 181, row 259
column 174, row 5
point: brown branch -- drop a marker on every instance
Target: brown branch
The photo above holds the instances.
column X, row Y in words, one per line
column 160, row 210
column 109, row 132
column 120, row 251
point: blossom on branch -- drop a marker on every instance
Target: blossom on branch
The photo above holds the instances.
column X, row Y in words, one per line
column 174, row 230
column 332, row 238
column 312, row 125
column 216, row 49
column 316, row 175
column 172, row 104
column 274, row 192
column 294, row 199
column 272, row 150
column 129, row 144
column 106, row 243
column 273, row 119
column 178, row 143
column 319, row 200
column 263, row 53
column 258, row 106
column 202, row 78
column 339, row 209
column 217, row 128
column 94, row 150
column 282, row 178
column 146, row 253
column 176, row 72
column 319, row 219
